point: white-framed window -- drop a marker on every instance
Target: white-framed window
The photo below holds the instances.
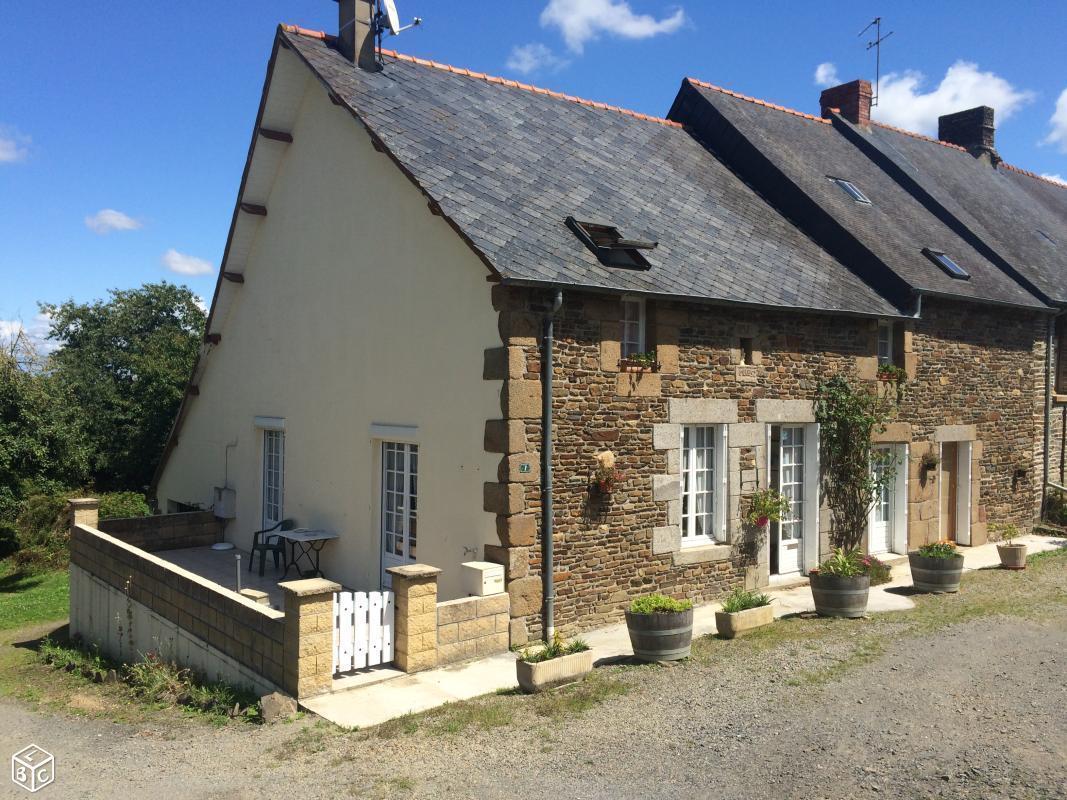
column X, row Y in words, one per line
column 633, row 326
column 273, row 476
column 703, row 484
column 792, row 480
column 885, row 342
column 400, row 493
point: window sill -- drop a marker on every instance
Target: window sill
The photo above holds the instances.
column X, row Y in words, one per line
column 702, row 555
column 632, row 366
column 1059, row 399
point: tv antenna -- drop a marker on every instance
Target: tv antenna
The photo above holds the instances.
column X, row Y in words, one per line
column 386, row 19
column 876, row 43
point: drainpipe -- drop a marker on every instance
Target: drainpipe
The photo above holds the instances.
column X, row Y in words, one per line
column 547, row 567
column 1049, row 378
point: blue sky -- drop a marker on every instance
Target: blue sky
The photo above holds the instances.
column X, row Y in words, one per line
column 145, row 108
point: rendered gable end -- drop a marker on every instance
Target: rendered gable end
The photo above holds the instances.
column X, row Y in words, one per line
column 359, row 307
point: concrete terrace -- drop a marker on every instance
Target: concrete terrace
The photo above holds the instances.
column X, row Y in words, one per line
column 376, row 697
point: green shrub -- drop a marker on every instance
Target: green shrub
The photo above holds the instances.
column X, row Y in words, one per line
column 123, row 504
column 1004, row 532
column 842, row 563
column 742, row 600
column 658, row 604
column 42, row 532
column 878, row 570
column 1056, row 508
column 939, row 550
column 554, row 649
column 159, row 681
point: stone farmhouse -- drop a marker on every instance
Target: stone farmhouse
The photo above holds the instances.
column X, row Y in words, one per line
column 407, row 234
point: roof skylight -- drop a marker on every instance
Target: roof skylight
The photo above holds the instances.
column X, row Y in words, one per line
column 947, row 264
column 608, row 244
column 1046, row 236
column 851, row 190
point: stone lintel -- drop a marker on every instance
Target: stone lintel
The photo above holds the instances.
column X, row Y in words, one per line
column 794, row 411
column 702, row 410
column 955, row 433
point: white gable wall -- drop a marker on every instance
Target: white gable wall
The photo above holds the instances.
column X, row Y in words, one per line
column 359, row 307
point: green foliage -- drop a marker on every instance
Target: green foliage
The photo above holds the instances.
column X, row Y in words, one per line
column 123, row 504
column 939, row 550
column 842, row 563
column 891, row 372
column 554, row 649
column 847, row 419
column 42, row 532
column 878, row 570
column 741, row 600
column 124, row 363
column 658, row 604
column 1004, row 532
column 766, row 505
column 647, row 360
column 1056, row 508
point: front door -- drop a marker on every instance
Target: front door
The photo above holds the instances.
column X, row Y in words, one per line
column 949, row 489
column 399, row 504
column 791, row 462
column 880, row 531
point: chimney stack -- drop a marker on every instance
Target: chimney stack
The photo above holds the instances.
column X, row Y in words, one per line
column 972, row 130
column 852, row 100
column 355, row 35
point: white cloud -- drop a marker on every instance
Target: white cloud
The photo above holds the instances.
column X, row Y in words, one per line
column 185, row 264
column 13, row 145
column 1058, row 121
column 583, row 20
column 36, row 332
column 200, row 303
column 534, row 57
column 902, row 102
column 826, row 75
column 1056, row 178
column 108, row 219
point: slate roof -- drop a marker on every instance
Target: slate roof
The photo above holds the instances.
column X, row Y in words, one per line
column 895, row 227
column 508, row 163
column 1005, row 206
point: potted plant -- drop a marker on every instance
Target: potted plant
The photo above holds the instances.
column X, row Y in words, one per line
column 765, row 505
column 556, row 663
column 606, row 475
column 840, row 585
column 639, row 362
column 743, row 611
column 892, row 373
column 660, row 627
column 929, row 462
column 1012, row 555
column 936, row 567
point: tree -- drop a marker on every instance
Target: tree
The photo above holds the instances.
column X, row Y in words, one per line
column 847, row 418
column 41, row 438
column 126, row 361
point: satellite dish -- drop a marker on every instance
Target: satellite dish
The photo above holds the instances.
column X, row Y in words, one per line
column 392, row 19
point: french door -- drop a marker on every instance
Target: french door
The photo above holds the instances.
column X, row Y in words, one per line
column 273, row 476
column 399, row 505
column 880, row 530
column 791, row 465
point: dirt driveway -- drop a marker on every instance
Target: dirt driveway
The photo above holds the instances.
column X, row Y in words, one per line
column 964, row 697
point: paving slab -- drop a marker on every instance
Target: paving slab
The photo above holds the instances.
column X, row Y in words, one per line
column 395, row 694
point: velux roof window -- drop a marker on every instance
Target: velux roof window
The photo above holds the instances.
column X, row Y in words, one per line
column 609, row 245
column 1046, row 236
column 851, row 190
column 947, row 264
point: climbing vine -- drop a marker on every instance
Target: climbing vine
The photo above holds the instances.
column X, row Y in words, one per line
column 847, row 419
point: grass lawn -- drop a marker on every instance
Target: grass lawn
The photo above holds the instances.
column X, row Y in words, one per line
column 30, row 599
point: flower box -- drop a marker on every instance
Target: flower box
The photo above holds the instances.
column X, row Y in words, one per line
column 731, row 625
column 626, row 365
column 537, row 677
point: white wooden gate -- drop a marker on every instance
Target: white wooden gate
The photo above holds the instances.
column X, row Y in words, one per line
column 362, row 630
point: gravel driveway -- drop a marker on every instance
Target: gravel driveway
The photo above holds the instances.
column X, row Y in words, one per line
column 977, row 709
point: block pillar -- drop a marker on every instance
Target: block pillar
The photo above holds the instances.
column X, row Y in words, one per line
column 415, row 621
column 84, row 511
column 307, row 657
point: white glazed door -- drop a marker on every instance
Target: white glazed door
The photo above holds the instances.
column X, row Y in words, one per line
column 880, row 530
column 791, row 480
column 399, row 504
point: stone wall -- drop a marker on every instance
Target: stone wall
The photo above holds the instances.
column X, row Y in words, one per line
column 471, row 627
column 971, row 366
column 166, row 531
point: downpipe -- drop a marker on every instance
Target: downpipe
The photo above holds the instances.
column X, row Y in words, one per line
column 548, row 588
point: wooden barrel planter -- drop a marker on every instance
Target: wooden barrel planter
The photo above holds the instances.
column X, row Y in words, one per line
column 936, row 575
column 838, row 596
column 661, row 637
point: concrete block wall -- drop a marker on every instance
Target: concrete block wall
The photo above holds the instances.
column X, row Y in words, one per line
column 472, row 627
column 166, row 531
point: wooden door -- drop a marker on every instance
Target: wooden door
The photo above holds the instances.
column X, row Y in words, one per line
column 949, row 489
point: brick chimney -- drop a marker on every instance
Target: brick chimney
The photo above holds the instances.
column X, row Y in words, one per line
column 355, row 38
column 852, row 100
column 971, row 129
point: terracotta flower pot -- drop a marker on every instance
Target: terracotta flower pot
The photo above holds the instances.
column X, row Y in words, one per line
column 1012, row 556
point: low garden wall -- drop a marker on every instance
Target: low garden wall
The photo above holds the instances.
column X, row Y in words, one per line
column 472, row 627
column 166, row 531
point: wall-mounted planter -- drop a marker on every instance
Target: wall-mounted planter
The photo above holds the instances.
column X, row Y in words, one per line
column 626, row 365
column 738, row 623
column 556, row 671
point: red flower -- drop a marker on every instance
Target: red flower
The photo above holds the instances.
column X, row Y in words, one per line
column 762, row 521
